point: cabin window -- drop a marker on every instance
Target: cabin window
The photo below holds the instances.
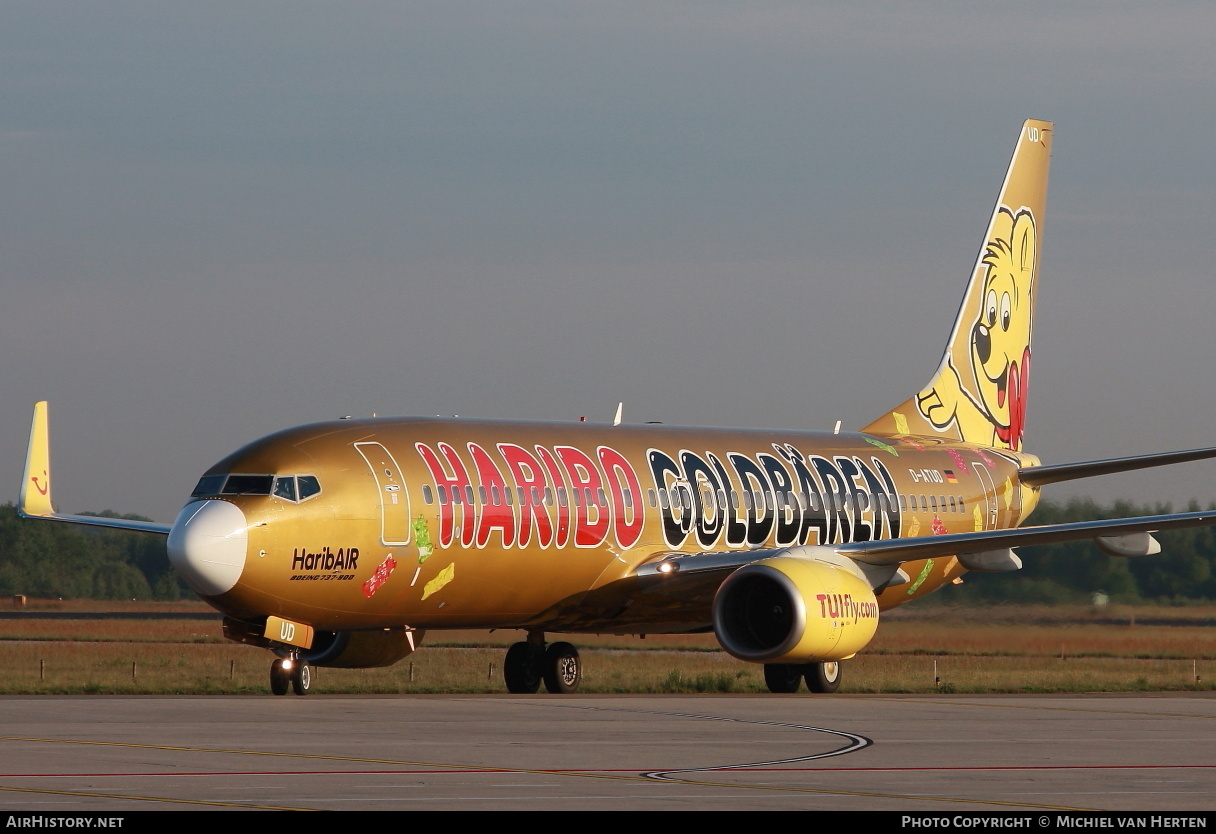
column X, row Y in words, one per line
column 468, row 494
column 455, row 494
column 962, row 505
column 953, row 505
column 482, row 492
column 627, row 496
column 426, row 494
column 663, row 502
column 603, row 498
column 933, row 503
column 443, row 494
column 652, row 499
column 812, row 501
column 508, row 495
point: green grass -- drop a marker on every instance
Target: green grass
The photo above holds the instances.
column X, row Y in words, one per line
column 988, row 650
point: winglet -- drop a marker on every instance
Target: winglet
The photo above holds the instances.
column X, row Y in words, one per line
column 36, row 487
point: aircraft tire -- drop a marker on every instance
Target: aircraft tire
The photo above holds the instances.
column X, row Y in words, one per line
column 823, row 677
column 562, row 670
column 280, row 678
column 521, row 669
column 783, row 677
column 301, row 678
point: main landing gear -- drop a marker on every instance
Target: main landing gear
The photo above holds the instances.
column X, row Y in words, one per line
column 530, row 663
column 787, row 677
column 290, row 673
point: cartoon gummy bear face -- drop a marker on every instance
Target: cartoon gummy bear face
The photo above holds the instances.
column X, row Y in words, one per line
column 1000, row 339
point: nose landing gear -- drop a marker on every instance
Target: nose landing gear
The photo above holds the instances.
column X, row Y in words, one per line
column 530, row 663
column 290, row 673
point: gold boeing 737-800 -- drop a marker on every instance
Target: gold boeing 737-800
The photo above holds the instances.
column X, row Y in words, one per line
column 340, row 543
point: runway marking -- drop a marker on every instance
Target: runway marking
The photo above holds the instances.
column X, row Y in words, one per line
column 651, row 777
column 457, row 770
column 858, row 742
column 94, row 795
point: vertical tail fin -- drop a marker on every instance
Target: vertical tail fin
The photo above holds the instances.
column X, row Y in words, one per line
column 979, row 391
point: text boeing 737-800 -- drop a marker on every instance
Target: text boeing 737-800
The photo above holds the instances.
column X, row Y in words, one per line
column 340, row 543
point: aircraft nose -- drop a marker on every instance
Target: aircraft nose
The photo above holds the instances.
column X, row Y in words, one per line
column 207, row 545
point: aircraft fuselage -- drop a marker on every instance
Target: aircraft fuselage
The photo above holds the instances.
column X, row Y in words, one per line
column 458, row 523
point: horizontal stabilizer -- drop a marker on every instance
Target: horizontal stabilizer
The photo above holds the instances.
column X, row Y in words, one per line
column 1040, row 475
column 894, row 551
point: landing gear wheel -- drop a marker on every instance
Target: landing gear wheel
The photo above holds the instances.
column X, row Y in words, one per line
column 562, row 669
column 823, row 677
column 301, row 677
column 280, row 678
column 783, row 677
column 521, row 668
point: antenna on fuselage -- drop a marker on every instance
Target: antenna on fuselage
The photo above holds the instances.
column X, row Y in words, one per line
column 616, row 421
column 837, row 429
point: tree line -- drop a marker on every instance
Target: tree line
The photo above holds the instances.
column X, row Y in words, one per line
column 41, row 559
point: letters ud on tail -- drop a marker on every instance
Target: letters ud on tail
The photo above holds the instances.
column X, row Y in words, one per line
column 341, row 543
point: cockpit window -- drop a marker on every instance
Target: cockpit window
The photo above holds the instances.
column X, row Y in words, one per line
column 208, row 485
column 296, row 487
column 247, row 485
column 285, row 487
column 288, row 487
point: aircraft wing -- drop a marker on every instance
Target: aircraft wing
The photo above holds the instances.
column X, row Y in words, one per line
column 36, row 487
column 1110, row 533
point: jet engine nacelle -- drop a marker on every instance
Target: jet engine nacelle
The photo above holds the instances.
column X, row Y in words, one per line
column 361, row 649
column 793, row 609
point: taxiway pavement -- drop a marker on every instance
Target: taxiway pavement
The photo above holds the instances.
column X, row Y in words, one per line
column 905, row 753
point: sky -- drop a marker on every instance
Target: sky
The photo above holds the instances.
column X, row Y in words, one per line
column 222, row 219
